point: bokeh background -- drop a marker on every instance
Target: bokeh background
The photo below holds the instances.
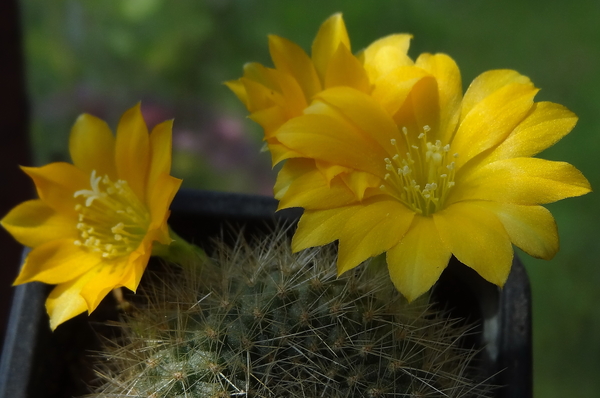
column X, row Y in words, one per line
column 102, row 57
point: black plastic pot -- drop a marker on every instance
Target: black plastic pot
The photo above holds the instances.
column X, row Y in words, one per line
column 39, row 363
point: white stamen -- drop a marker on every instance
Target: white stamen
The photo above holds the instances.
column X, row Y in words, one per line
column 427, row 165
column 113, row 221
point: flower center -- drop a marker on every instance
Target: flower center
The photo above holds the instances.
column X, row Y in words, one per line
column 421, row 177
column 112, row 220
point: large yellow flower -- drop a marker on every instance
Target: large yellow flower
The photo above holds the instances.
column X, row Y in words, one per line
column 94, row 223
column 413, row 168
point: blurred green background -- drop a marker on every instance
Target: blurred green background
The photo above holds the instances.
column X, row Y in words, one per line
column 102, row 57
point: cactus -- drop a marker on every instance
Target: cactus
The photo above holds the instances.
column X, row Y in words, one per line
column 259, row 321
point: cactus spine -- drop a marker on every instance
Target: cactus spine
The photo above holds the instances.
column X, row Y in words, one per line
column 259, row 321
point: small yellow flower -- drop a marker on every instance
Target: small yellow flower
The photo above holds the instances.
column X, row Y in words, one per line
column 413, row 168
column 93, row 226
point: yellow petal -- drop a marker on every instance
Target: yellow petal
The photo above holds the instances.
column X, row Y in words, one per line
column 359, row 182
column 291, row 170
column 311, row 190
column 523, row 181
column 330, row 170
column 392, row 90
column 287, row 95
column 57, row 261
column 372, row 230
column 369, row 118
column 531, row 228
column 491, row 120
column 417, row 262
column 478, row 239
column 160, row 154
column 102, row 280
column 238, row 88
column 160, row 198
column 92, row 146
column 258, row 96
column 144, row 249
column 270, row 119
column 289, row 58
column 320, row 227
column 64, row 302
column 280, row 152
column 56, row 183
column 292, row 100
column 386, row 54
column 421, row 108
column 297, row 167
column 137, row 266
column 33, row 223
column 133, row 150
column 324, row 138
column 487, row 83
column 261, row 87
column 447, row 76
column 261, row 74
column 346, row 70
column 543, row 127
column 331, row 34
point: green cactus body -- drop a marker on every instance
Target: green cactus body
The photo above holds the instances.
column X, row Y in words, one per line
column 259, row 321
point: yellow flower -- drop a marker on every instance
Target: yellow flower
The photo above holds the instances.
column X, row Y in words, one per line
column 415, row 169
column 275, row 95
column 94, row 223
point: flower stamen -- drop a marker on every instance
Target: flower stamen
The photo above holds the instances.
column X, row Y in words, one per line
column 112, row 220
column 426, row 165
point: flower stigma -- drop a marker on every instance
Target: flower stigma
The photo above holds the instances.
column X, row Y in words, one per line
column 112, row 220
column 422, row 177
